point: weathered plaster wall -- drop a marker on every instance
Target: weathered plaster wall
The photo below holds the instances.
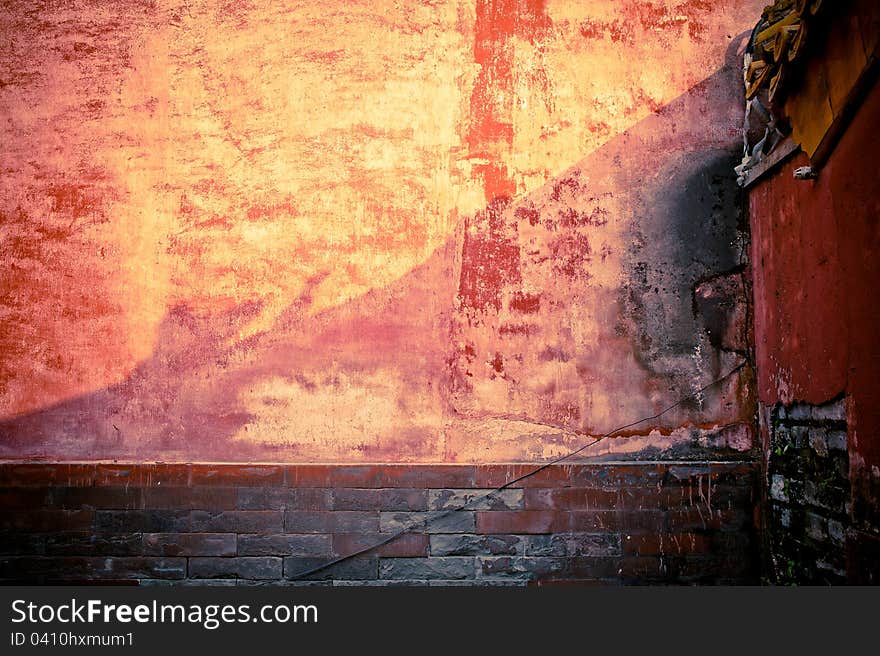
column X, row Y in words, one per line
column 454, row 231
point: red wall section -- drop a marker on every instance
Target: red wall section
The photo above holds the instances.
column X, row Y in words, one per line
column 800, row 310
column 815, row 247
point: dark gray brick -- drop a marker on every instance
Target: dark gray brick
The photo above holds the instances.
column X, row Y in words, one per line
column 800, row 412
column 30, row 544
column 510, row 499
column 836, row 531
column 428, row 522
column 38, row 520
column 195, row 583
column 835, row 411
column 142, row 521
column 399, row 499
column 262, row 567
column 283, row 545
column 483, row 583
column 465, row 544
column 89, row 568
column 189, row 544
column 778, row 488
column 91, row 544
column 816, row 526
column 282, row 498
column 505, row 567
column 573, row 544
column 451, row 567
column 379, row 583
column 359, row 568
column 817, row 441
column 836, row 440
column 189, row 498
column 237, row 521
column 104, row 497
column 337, row 521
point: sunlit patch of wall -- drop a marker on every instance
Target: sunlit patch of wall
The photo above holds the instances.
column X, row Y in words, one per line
column 224, row 225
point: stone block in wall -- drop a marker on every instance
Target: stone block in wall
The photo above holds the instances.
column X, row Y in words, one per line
column 13, row 543
column 476, row 499
column 282, row 544
column 523, row 567
column 816, row 438
column 146, row 521
column 834, row 411
column 400, row 499
column 408, row 545
column 89, row 543
column 191, row 498
column 573, row 544
column 337, row 521
column 88, row 568
column 464, row 544
column 45, row 520
column 189, row 544
column 103, row 497
column 440, row 521
column 360, row 568
column 242, row 567
column 284, row 498
column 237, row 521
column 446, row 567
column 778, row 487
column 836, row 440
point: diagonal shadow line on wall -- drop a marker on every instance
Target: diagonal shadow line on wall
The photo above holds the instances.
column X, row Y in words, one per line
column 670, row 171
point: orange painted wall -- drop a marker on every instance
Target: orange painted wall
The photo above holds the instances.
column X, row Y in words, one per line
column 360, row 231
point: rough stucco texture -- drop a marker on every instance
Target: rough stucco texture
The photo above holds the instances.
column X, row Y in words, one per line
column 362, row 231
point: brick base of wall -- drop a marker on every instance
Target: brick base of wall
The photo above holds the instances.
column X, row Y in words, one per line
column 629, row 523
column 809, row 509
